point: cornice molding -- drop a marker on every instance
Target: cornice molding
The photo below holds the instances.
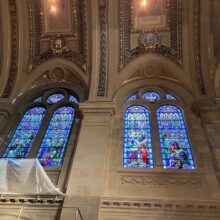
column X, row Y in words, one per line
column 97, row 107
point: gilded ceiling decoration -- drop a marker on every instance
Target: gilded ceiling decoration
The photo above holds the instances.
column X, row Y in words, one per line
column 150, row 26
column 57, row 29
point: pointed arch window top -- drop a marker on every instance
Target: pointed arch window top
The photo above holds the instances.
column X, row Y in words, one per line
column 20, row 144
column 53, row 146
column 138, row 151
column 55, row 98
column 175, row 146
column 151, row 96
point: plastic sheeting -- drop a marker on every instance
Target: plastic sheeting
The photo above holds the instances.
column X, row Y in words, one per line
column 25, row 176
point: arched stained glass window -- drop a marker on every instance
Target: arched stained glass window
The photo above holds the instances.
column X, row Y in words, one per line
column 54, row 143
column 171, row 97
column 138, row 151
column 73, row 99
column 55, row 98
column 151, row 96
column 174, row 141
column 132, row 97
column 20, row 144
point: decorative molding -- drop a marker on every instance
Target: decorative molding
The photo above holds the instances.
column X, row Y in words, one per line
column 58, row 44
column 97, row 107
column 197, row 49
column 14, row 49
column 103, row 35
column 207, row 206
column 31, row 199
column 206, row 106
column 35, row 32
column 174, row 28
column 163, row 181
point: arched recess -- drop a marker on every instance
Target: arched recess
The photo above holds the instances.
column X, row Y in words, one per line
column 153, row 66
column 45, row 71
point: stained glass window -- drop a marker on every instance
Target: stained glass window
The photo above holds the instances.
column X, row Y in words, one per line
column 174, row 141
column 20, row 144
column 55, row 98
column 73, row 99
column 38, row 99
column 151, row 96
column 54, row 143
column 171, row 97
column 138, row 151
column 132, row 97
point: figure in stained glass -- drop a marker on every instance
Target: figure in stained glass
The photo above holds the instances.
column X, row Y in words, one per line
column 20, row 144
column 137, row 138
column 53, row 145
column 174, row 141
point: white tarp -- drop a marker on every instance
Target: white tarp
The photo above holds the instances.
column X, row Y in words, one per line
column 25, row 176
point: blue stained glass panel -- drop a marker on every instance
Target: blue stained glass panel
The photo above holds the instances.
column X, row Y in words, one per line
column 151, row 96
column 54, row 143
column 55, row 98
column 132, row 97
column 20, row 144
column 175, row 146
column 37, row 99
column 138, row 151
column 171, row 97
column 73, row 99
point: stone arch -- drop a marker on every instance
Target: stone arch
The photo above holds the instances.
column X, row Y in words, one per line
column 152, row 66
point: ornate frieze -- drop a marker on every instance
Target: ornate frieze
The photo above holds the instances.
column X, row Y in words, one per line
column 159, row 31
column 103, row 36
column 14, row 49
column 162, row 181
column 49, row 40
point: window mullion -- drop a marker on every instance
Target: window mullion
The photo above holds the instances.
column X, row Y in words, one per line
column 155, row 139
column 40, row 135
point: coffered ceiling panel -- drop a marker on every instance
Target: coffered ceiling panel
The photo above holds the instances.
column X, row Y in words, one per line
column 57, row 29
column 150, row 26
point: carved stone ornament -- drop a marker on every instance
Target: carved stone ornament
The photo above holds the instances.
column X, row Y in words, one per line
column 57, row 45
column 162, row 181
column 149, row 40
